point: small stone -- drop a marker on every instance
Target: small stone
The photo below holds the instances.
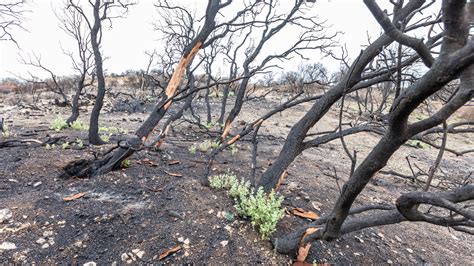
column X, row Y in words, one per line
column 180, row 239
column 210, row 211
column 186, row 241
column 398, row 239
column 41, row 241
column 46, row 245
column 90, row 263
column 78, row 244
column 37, row 184
column 304, row 195
column 7, row 246
column 316, row 205
column 359, row 239
column 62, row 222
column 224, row 243
column 19, row 257
column 357, row 254
column 47, row 233
column 124, row 257
column 381, row 235
column 410, row 250
column 139, row 253
column 292, row 186
column 389, row 262
column 5, row 215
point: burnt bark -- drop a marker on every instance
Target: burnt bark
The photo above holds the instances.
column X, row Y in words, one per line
column 94, row 137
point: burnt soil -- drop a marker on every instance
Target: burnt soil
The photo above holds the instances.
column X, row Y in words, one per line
column 135, row 214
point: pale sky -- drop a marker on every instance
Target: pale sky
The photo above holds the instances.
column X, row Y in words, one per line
column 125, row 43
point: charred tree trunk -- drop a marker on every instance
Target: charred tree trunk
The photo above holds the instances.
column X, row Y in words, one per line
column 239, row 101
column 75, row 101
column 225, row 95
column 208, row 104
column 94, row 137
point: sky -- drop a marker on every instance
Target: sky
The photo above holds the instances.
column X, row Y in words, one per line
column 125, row 43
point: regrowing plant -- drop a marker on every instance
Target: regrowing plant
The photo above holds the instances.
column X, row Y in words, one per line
column 65, row 145
column 207, row 145
column 78, row 125
column 126, row 163
column 223, row 181
column 59, row 123
column 192, row 149
column 263, row 210
column 106, row 138
column 112, row 130
column 79, row 143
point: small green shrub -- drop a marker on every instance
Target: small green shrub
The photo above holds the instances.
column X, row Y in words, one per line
column 125, row 163
column 417, row 144
column 263, row 210
column 79, row 143
column 59, row 123
column 105, row 138
column 229, row 216
column 208, row 125
column 192, row 149
column 224, row 181
column 112, row 130
column 65, row 145
column 5, row 133
column 240, row 189
column 78, row 125
column 233, row 149
column 207, row 145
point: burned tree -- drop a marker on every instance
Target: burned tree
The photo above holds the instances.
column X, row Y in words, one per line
column 455, row 60
column 72, row 23
column 125, row 149
column 102, row 11
column 355, row 78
